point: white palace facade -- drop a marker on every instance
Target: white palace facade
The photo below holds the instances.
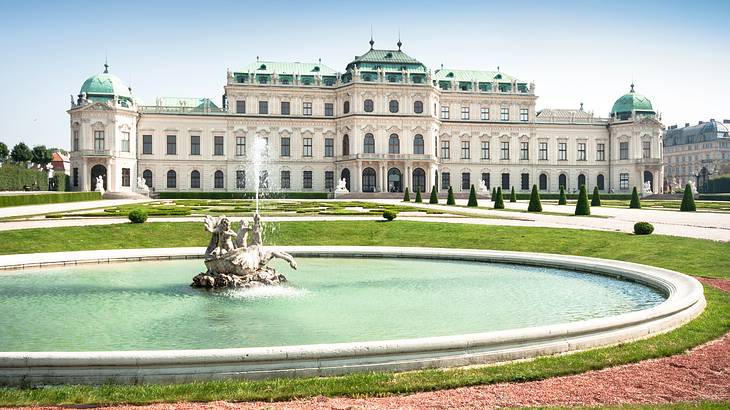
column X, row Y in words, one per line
column 384, row 124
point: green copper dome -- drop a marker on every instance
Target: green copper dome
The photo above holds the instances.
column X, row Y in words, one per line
column 632, row 102
column 105, row 85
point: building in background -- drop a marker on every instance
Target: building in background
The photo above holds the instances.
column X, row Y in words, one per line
column 696, row 153
column 385, row 124
column 61, row 163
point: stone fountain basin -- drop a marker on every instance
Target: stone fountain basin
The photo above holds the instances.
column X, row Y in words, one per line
column 685, row 301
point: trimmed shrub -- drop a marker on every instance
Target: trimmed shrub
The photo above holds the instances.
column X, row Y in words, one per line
column 512, row 195
column 494, row 193
column 450, row 199
column 643, row 228
column 562, row 200
column 418, row 196
column 582, row 207
column 31, row 199
column 389, row 215
column 434, row 196
column 688, row 200
column 596, row 200
column 635, row 203
column 498, row 199
column 472, row 197
column 137, row 215
column 406, row 196
column 535, row 205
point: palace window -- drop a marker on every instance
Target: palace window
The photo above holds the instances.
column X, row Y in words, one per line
column 393, row 144
column 369, row 144
column 171, row 179
column 307, row 180
column 393, row 106
column 445, row 180
column 218, row 179
column 125, row 142
column 418, row 144
column 623, row 150
column 194, row 145
column 464, row 113
column 465, row 150
column 345, row 107
column 263, row 107
column 504, row 150
column 329, row 147
column 307, row 108
column 126, row 177
column 444, row 112
column 418, row 107
column 504, row 114
column 505, row 181
column 218, row 145
column 240, row 179
column 171, row 145
column 285, row 179
column 445, row 150
column 485, row 178
column 285, row 148
column 600, row 152
column 623, row 181
column 76, row 176
column 646, row 148
column 307, row 151
column 368, row 105
column 525, row 181
column 240, row 146
column 524, row 150
column 240, row 106
column 524, row 115
column 147, row 144
column 345, row 145
column 99, row 140
column 562, row 151
column 147, row 175
column 484, row 114
column 581, row 151
column 195, row 179
column 329, row 180
column 285, row 108
column 329, row 109
column 465, row 180
column 485, row 149
column 543, row 151
column 264, row 179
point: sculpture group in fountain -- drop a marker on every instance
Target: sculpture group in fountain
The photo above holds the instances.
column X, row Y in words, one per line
column 142, row 186
column 483, row 190
column 232, row 262
column 647, row 189
column 342, row 187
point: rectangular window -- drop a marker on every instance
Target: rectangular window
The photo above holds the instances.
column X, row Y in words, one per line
column 465, row 150
column 76, row 140
column 485, row 149
column 76, row 176
column 307, row 180
column 307, row 108
column 543, row 153
column 484, row 114
column 240, row 179
column 505, row 181
column 504, row 150
column 240, row 106
column 218, row 145
column 307, row 152
column 147, row 144
column 524, row 150
column 99, row 140
column 465, row 180
column 624, row 182
column 504, row 114
column 445, row 150
column 525, row 181
column 126, row 177
column 444, row 112
column 524, row 115
column 285, row 108
column 329, row 147
column 464, row 113
column 624, row 150
column 171, row 145
column 285, row 179
column 285, row 150
column 646, row 149
column 329, row 109
column 445, row 180
column 240, row 146
column 125, row 141
column 600, row 152
column 263, row 107
column 562, row 151
column 195, row 145
column 485, row 178
column 329, row 180
column 581, row 151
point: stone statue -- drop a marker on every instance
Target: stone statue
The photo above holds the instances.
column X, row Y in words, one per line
column 342, row 187
column 142, row 186
column 100, row 185
column 49, row 169
column 694, row 186
column 483, row 190
column 232, row 262
column 646, row 190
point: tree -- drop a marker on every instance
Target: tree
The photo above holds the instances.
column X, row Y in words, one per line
column 688, row 200
column 562, row 199
column 535, row 205
column 512, row 195
column 21, row 153
column 42, row 155
column 418, row 196
column 450, row 199
column 596, row 200
column 582, row 207
column 406, row 196
column 635, row 203
column 434, row 196
column 494, row 193
column 498, row 199
column 4, row 152
column 472, row 197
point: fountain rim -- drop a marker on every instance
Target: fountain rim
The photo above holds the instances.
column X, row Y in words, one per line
column 685, row 301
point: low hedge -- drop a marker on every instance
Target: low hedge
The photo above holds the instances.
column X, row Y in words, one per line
column 50, row 198
column 556, row 196
column 714, row 197
column 243, row 195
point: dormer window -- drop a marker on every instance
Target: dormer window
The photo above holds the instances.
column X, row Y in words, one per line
column 262, row 67
column 498, row 77
column 389, row 55
column 450, row 75
column 316, row 69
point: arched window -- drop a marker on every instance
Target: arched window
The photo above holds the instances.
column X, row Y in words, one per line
column 218, row 179
column 563, row 181
column 600, row 182
column 345, row 174
column 147, row 175
column 394, row 144
column 346, row 145
column 395, row 180
column 418, row 144
column 368, row 105
column 368, row 180
column 418, row 107
column 345, row 107
column 195, row 179
column 419, row 180
column 393, row 106
column 369, row 144
column 543, row 182
column 171, row 179
column 581, row 181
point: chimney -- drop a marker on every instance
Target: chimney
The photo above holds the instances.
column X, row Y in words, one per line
column 700, row 123
column 712, row 120
column 726, row 121
column 686, row 124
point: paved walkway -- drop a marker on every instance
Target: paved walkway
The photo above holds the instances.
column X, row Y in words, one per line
column 28, row 210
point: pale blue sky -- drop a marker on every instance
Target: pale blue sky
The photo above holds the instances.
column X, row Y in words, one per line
column 677, row 52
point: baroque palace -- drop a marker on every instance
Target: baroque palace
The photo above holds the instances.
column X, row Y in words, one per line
column 385, row 124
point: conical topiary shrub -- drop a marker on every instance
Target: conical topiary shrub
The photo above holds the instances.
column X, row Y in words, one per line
column 535, row 205
column 635, row 203
column 688, row 200
column 434, row 196
column 450, row 199
column 494, row 194
column 472, row 197
column 562, row 200
column 418, row 196
column 406, row 196
column 512, row 195
column 582, row 207
column 498, row 200
column 596, row 200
